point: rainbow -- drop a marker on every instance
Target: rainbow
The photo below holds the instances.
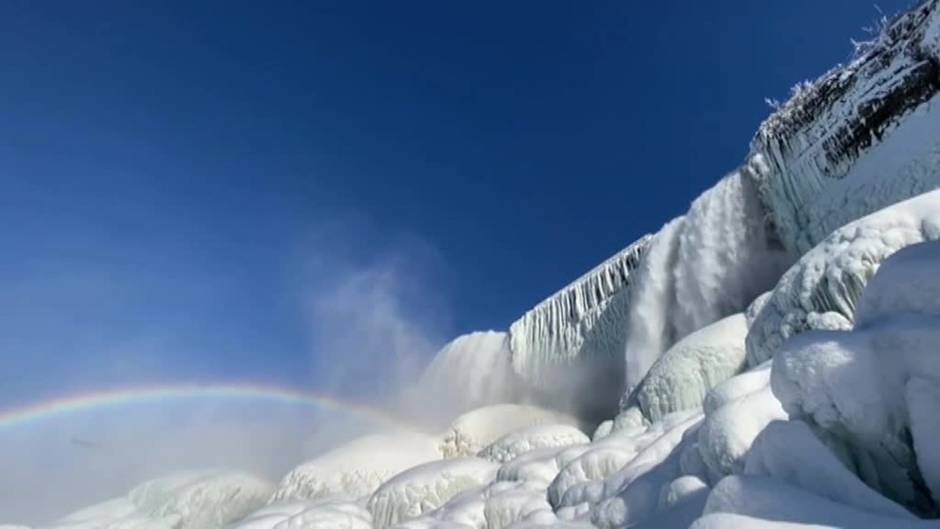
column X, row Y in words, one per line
column 65, row 405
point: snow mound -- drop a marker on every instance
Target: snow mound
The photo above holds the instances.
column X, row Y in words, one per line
column 119, row 513
column 681, row 377
column 201, row 500
column 525, row 440
column 324, row 514
column 190, row 500
column 356, row 469
column 632, row 495
column 729, row 430
column 473, row 431
column 822, row 290
column 426, row 487
column 873, row 389
column 471, row 371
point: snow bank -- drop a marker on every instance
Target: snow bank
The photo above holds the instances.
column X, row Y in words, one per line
column 682, row 376
column 356, row 469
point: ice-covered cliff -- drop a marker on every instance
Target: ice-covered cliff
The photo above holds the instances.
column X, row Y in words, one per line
column 577, row 333
column 861, row 137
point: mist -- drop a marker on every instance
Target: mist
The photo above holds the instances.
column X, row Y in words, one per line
column 373, row 320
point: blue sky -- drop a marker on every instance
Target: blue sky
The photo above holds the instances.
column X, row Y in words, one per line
column 268, row 190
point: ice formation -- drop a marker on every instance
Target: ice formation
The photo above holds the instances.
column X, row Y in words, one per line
column 573, row 339
column 189, row 500
column 682, row 376
column 701, row 267
column 427, row 487
column 518, row 442
column 356, row 469
column 323, row 514
column 821, row 291
column 473, row 431
column 758, row 394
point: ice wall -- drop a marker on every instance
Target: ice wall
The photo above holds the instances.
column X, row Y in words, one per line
column 861, row 137
column 708, row 264
column 577, row 334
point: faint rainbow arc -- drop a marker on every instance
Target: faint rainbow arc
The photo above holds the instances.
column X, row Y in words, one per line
column 65, row 405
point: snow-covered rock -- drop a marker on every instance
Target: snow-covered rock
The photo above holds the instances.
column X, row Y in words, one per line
column 873, row 389
column 356, row 469
column 681, row 377
column 525, row 440
column 860, row 138
column 821, row 291
column 426, row 487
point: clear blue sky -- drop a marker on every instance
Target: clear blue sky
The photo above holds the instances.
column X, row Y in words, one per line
column 170, row 170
